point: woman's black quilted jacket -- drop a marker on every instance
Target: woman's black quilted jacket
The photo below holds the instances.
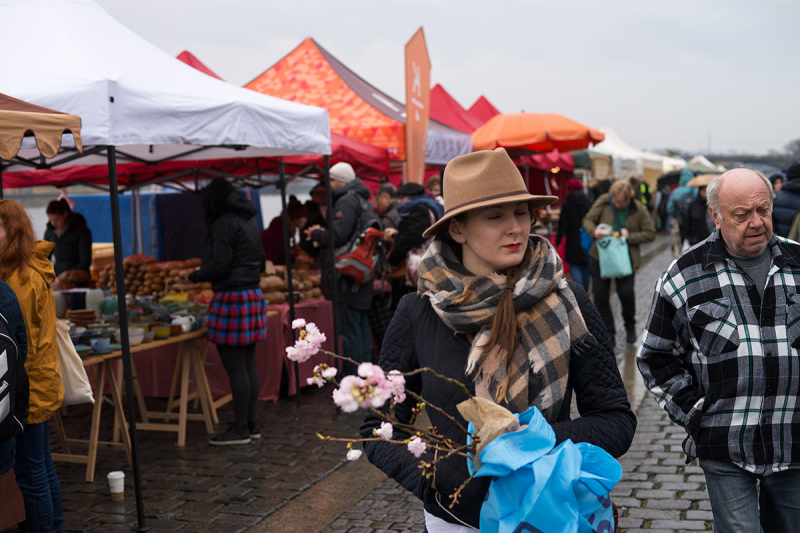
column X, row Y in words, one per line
column 417, row 337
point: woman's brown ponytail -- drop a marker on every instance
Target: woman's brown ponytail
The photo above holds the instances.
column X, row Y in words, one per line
column 504, row 324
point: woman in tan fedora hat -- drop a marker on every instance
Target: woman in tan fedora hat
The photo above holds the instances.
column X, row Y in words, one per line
column 494, row 311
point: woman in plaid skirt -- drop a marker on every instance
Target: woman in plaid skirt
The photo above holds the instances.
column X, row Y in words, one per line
column 237, row 317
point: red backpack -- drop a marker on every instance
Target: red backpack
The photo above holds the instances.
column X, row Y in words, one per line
column 365, row 254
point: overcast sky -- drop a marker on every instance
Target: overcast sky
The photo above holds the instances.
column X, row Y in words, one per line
column 690, row 75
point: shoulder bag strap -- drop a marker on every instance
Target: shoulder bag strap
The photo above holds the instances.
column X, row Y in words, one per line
column 614, row 212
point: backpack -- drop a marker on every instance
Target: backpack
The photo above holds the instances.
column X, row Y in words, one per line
column 363, row 258
column 13, row 385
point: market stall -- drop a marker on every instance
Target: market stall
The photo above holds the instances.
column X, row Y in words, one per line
column 140, row 105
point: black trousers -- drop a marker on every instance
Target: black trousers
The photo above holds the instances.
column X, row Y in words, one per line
column 601, row 291
column 240, row 364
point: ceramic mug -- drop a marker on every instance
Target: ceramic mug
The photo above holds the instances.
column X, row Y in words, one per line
column 100, row 344
column 185, row 322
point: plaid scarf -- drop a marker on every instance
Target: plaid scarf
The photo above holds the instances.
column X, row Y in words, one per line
column 549, row 324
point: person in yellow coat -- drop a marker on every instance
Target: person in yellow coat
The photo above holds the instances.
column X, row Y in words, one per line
column 25, row 266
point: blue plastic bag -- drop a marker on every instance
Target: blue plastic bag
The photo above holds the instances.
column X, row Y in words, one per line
column 586, row 241
column 538, row 487
column 614, row 259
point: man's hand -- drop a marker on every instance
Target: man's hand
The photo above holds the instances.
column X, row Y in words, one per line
column 624, row 232
column 598, row 235
column 389, row 234
column 310, row 230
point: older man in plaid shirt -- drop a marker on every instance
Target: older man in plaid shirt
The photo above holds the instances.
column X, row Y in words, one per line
column 721, row 355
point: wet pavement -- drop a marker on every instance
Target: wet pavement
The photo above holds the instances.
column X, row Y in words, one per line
column 292, row 482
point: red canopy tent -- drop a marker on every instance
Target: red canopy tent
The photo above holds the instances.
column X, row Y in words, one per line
column 191, row 60
column 483, row 109
column 309, row 74
column 365, row 157
column 447, row 110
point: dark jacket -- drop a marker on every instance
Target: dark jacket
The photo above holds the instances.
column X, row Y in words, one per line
column 272, row 242
column 343, row 220
column 389, row 218
column 315, row 218
column 785, row 206
column 698, row 222
column 236, row 258
column 417, row 337
column 10, row 309
column 638, row 223
column 73, row 250
column 416, row 215
column 573, row 210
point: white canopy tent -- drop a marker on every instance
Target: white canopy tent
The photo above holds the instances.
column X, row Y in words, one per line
column 73, row 56
column 138, row 104
column 631, row 162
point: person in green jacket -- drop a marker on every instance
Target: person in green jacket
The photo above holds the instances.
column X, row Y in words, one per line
column 634, row 223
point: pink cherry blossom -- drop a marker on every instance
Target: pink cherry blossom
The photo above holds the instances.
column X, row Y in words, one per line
column 301, row 351
column 370, row 372
column 385, row 432
column 298, row 323
column 353, row 455
column 397, row 385
column 329, row 372
column 316, row 380
column 417, row 446
column 314, row 335
column 349, row 394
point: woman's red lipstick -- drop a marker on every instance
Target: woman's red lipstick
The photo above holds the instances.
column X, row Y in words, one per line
column 512, row 246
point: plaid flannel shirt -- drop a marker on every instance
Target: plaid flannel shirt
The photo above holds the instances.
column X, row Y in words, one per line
column 723, row 361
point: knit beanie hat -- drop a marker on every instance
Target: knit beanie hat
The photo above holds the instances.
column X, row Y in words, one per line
column 343, row 172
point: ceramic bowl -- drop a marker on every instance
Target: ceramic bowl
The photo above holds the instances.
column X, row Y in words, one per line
column 135, row 336
column 161, row 332
column 148, row 336
column 176, row 329
column 83, row 350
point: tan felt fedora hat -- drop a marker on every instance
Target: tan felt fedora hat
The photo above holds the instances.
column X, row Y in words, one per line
column 481, row 179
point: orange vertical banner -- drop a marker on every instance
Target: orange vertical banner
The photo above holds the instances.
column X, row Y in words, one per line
column 418, row 98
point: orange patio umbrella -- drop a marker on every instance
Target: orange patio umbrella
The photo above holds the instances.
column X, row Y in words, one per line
column 535, row 132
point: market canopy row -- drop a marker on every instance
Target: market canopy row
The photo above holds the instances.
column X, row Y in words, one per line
column 132, row 95
column 311, row 75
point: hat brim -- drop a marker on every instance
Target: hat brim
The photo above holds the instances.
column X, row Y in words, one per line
column 701, row 181
column 534, row 202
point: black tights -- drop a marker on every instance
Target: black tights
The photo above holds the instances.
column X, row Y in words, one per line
column 240, row 364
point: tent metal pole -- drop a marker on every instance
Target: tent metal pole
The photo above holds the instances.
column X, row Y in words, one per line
column 288, row 255
column 133, row 226
column 137, row 196
column 334, row 279
column 123, row 326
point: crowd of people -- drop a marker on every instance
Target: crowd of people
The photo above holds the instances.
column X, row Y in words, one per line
column 466, row 279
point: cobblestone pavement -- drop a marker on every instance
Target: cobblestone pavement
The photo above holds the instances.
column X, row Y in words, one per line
column 658, row 490
column 201, row 488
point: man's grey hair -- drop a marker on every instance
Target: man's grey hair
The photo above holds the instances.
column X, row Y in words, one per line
column 388, row 189
column 712, row 191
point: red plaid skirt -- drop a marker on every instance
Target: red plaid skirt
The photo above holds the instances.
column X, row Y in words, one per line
column 237, row 318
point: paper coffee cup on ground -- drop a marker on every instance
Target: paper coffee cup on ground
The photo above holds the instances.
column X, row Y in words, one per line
column 116, row 481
